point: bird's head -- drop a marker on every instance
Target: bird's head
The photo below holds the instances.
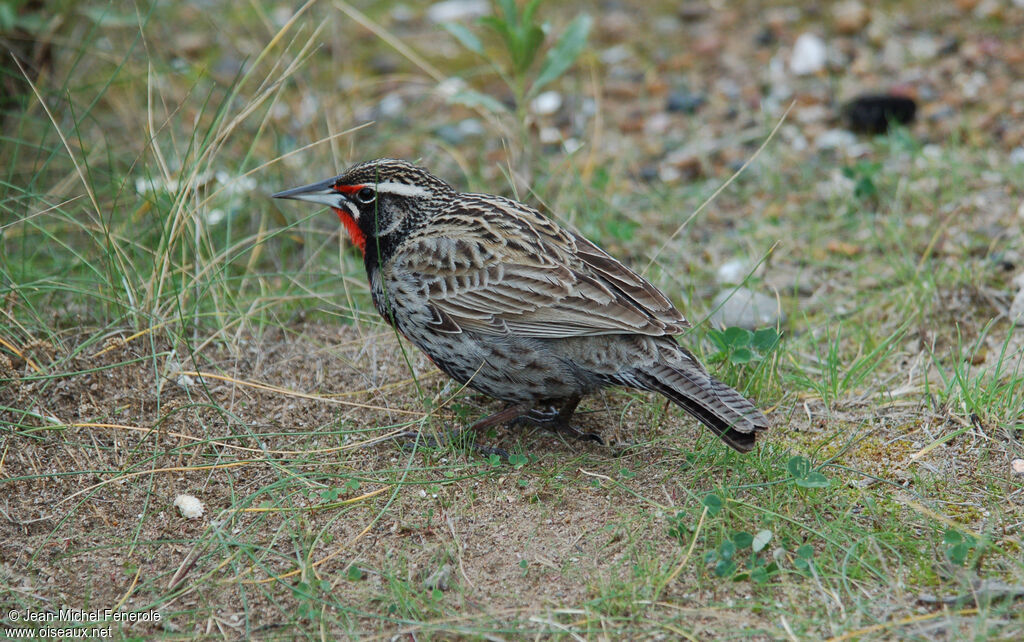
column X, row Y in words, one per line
column 377, row 199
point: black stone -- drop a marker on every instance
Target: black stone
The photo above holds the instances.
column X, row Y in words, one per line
column 685, row 101
column 872, row 113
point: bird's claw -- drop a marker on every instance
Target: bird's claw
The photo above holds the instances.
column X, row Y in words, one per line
column 551, row 419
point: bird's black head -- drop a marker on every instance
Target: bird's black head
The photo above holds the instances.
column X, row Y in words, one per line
column 377, row 201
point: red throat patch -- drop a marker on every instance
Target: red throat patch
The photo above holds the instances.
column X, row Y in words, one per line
column 350, row 224
column 354, row 233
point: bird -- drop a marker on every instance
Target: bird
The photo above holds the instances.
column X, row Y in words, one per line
column 511, row 304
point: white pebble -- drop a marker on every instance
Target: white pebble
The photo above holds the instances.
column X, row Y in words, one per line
column 189, row 505
column 809, row 55
column 452, row 10
column 732, row 272
column 547, row 103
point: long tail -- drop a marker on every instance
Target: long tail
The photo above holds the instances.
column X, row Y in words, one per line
column 681, row 378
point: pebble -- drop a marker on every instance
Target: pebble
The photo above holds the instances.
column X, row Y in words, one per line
column 457, row 133
column 189, row 505
column 572, row 145
column 732, row 272
column 872, row 113
column 616, row 55
column 549, row 135
column 1016, row 313
column 988, row 9
column 850, row 17
column 384, row 64
column 893, row 56
column 683, row 163
column 765, row 37
column 971, row 85
column 693, row 11
column 745, row 308
column 616, row 24
column 546, row 103
column 391, row 106
column 471, row 127
column 403, row 13
column 452, row 10
column 924, row 47
column 449, row 134
column 809, row 55
column 835, row 139
column 439, row 579
column 685, row 101
column 812, row 114
column 657, row 124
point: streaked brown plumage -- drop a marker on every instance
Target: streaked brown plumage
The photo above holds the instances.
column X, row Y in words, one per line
column 506, row 301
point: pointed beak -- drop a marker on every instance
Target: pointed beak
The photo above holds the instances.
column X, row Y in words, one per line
column 322, row 193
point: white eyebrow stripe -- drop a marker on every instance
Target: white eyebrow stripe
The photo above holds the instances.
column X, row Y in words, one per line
column 401, row 189
column 352, row 209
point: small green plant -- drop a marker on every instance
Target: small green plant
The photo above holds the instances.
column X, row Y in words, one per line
column 330, row 494
column 307, row 594
column 739, row 555
column 863, row 173
column 752, row 358
column 677, row 528
column 713, row 503
column 522, row 39
column 804, row 559
column 740, row 346
column 13, row 15
column 803, row 476
column 958, row 546
column 727, row 557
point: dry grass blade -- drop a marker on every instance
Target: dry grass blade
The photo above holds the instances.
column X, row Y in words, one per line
column 686, row 557
column 223, row 444
column 895, row 624
column 153, row 471
column 21, row 355
column 300, row 395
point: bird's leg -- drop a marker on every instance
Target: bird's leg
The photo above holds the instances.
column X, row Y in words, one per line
column 509, row 414
column 558, row 420
column 551, row 418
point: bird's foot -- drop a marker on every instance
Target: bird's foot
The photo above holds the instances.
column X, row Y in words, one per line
column 552, row 419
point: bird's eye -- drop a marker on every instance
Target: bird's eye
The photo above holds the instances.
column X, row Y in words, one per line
column 366, row 195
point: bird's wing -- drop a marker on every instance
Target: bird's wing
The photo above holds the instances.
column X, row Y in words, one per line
column 495, row 266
